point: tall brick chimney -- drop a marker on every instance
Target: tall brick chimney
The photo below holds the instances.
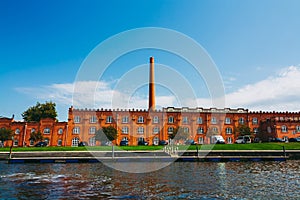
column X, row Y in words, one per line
column 151, row 86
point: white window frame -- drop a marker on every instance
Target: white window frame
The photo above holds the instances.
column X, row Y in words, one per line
column 77, row 119
column 200, row 130
column 76, row 130
column 17, row 131
column 186, row 129
column 109, row 119
column 241, row 120
column 254, row 120
column 199, row 120
column 155, row 130
column 75, row 142
column 125, row 119
column 140, row 130
column 170, row 130
column 46, row 130
column 92, row 141
column 170, row 119
column 213, row 120
column 200, row 140
column 92, row 130
column 185, row 120
column 228, row 130
column 140, row 120
column 284, row 129
column 60, row 131
column 125, row 130
column 155, row 120
column 93, row 119
column 227, row 120
column 229, row 140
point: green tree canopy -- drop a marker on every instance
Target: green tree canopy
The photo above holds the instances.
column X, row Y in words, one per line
column 106, row 133
column 179, row 134
column 243, row 130
column 5, row 134
column 36, row 136
column 40, row 111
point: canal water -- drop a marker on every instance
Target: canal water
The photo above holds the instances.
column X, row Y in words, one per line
column 180, row 180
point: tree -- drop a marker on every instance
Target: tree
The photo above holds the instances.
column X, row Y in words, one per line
column 36, row 136
column 40, row 111
column 106, row 133
column 179, row 134
column 5, row 134
column 243, row 130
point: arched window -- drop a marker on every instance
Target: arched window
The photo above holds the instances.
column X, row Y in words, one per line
column 284, row 129
column 75, row 142
column 228, row 130
column 60, row 131
column 92, row 141
column 200, row 130
column 140, row 119
column 46, row 130
column 140, row 130
column 171, row 119
column 155, row 140
column 155, row 120
column 170, row 129
column 241, row 120
column 17, row 131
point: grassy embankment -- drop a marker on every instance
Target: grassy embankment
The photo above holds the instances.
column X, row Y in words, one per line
column 253, row 146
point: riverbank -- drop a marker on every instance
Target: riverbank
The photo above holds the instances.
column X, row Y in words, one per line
column 149, row 156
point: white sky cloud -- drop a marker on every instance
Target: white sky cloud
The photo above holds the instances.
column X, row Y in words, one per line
column 279, row 92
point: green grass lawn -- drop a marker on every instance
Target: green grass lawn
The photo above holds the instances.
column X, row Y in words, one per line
column 253, row 146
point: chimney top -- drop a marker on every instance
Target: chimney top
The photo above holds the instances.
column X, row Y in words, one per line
column 151, row 59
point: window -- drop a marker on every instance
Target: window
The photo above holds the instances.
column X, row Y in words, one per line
column 75, row 142
column 297, row 128
column 92, row 130
column 125, row 119
column 254, row 120
column 185, row 120
column 200, row 140
column 16, row 143
column 76, row 130
column 155, row 120
column 92, row 141
column 228, row 130
column 140, row 119
column 140, row 130
column 170, row 129
column 93, row 119
column 215, row 129
column 199, row 120
column 155, row 130
column 200, row 130
column 59, row 142
column 141, row 139
column 31, row 142
column 155, row 140
column 241, row 120
column 125, row 139
column 17, row 131
column 47, row 141
column 213, row 120
column 76, row 119
column 227, row 120
column 171, row 119
column 60, row 131
column 109, row 119
column 125, row 130
column 185, row 129
column 46, row 130
column 32, row 130
column 229, row 140
column 283, row 129
column 255, row 130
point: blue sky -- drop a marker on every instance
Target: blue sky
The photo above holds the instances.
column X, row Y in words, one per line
column 254, row 44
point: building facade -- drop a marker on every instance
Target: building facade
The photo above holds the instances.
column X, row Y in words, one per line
column 153, row 125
